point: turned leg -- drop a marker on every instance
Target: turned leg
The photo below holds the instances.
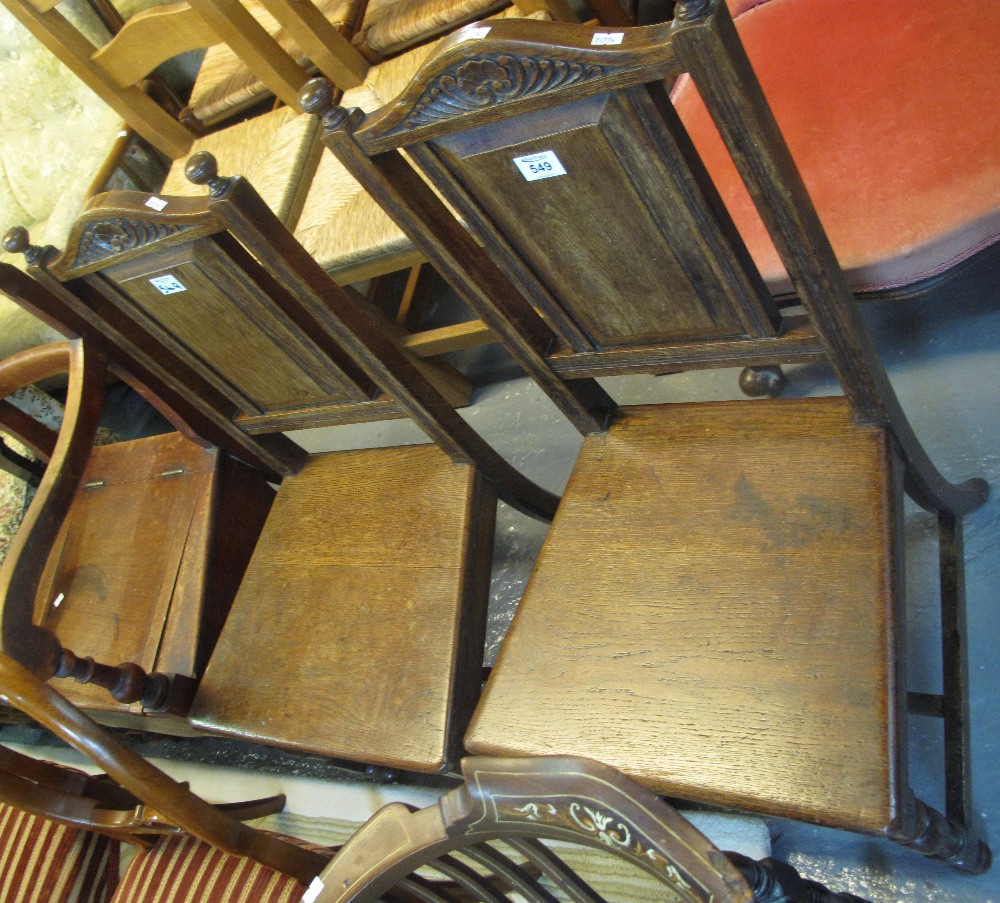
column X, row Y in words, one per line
column 777, row 882
column 945, row 840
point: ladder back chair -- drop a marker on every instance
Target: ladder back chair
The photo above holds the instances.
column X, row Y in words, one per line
column 123, row 555
column 549, row 829
column 718, row 607
column 365, row 599
column 220, row 856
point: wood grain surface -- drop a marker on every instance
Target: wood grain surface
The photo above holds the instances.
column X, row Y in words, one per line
column 711, row 613
column 348, row 640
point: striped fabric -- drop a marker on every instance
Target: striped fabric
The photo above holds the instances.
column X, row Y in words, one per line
column 45, row 862
column 182, row 869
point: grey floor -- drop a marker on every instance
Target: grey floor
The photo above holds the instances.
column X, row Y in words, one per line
column 942, row 354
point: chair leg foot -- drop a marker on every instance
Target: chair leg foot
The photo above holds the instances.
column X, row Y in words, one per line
column 773, row 881
column 762, row 382
column 947, row 841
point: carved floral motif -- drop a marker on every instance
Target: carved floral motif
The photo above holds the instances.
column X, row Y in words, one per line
column 609, row 828
column 114, row 236
column 479, row 83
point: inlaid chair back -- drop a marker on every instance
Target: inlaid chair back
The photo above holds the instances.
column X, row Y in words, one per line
column 593, row 243
column 365, row 597
column 549, row 829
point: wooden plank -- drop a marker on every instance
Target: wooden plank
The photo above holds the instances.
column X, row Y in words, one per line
column 713, row 613
column 361, row 615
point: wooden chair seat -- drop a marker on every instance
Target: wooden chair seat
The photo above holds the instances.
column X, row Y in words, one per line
column 278, row 152
column 341, row 226
column 364, row 621
column 902, row 167
column 225, row 84
column 744, row 554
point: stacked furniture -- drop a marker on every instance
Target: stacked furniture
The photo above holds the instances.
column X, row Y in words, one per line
column 718, row 609
column 47, row 171
column 677, row 625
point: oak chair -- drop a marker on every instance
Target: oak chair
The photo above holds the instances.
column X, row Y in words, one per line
column 718, row 607
column 244, row 64
column 217, row 854
column 549, row 829
column 123, row 556
column 365, row 597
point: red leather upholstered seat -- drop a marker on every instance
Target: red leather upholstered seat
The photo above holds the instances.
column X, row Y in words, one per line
column 891, row 113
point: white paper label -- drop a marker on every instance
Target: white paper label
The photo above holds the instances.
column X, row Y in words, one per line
column 167, row 285
column 479, row 32
column 542, row 165
column 156, row 203
column 607, row 37
column 313, row 891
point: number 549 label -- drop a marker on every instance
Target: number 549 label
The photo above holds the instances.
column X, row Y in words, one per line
column 543, row 165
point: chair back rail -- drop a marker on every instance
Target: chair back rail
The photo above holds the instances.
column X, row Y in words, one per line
column 650, row 271
column 256, row 287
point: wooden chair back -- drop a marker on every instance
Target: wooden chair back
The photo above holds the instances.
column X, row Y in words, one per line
column 72, row 592
column 115, row 70
column 546, row 829
column 215, row 297
column 594, row 242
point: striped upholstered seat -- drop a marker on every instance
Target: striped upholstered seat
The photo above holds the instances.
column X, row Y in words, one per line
column 178, row 869
column 45, row 862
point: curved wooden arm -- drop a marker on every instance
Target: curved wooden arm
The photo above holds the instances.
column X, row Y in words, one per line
column 24, row 369
column 32, row 696
column 22, row 570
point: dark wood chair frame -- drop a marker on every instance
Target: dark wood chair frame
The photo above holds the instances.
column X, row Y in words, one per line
column 72, row 292
column 532, row 68
column 164, row 805
column 97, row 802
column 522, row 802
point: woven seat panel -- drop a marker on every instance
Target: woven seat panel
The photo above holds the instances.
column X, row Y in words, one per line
column 225, row 85
column 391, row 26
column 44, row 862
column 185, row 870
column 341, row 226
column 277, row 153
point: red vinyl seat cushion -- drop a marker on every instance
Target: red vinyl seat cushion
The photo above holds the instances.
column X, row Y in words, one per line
column 890, row 111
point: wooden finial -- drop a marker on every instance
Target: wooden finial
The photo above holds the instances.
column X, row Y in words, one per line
column 17, row 241
column 691, row 10
column 317, row 98
column 203, row 169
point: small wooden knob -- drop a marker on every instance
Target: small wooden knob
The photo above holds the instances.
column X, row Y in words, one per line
column 17, row 240
column 316, row 96
column 202, row 168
